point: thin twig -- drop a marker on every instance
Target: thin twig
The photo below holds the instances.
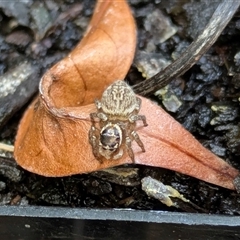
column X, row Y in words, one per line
column 220, row 18
column 6, row 147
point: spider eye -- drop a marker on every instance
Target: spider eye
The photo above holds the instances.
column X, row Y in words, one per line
column 110, row 138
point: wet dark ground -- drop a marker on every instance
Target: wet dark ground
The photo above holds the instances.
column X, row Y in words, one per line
column 205, row 100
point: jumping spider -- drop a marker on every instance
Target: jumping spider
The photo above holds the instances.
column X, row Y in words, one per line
column 117, row 113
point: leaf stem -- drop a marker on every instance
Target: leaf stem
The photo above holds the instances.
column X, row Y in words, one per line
column 220, row 18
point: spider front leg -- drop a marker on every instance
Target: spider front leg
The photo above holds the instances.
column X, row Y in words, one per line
column 98, row 104
column 135, row 118
column 92, row 117
column 99, row 115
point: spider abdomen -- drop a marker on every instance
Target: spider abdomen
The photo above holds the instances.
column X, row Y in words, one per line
column 111, row 137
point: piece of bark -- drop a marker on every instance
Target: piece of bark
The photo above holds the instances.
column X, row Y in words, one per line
column 17, row 87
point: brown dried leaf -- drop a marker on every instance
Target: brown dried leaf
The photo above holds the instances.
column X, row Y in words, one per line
column 45, row 137
column 167, row 145
column 53, row 135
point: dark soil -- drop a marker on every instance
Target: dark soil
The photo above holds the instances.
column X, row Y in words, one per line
column 206, row 101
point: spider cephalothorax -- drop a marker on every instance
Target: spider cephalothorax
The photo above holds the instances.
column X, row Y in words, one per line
column 117, row 113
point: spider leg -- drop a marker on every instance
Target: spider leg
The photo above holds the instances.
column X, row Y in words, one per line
column 93, row 139
column 98, row 104
column 93, row 135
column 127, row 142
column 138, row 140
column 100, row 116
column 129, row 147
column 94, row 132
column 135, row 118
column 139, row 102
column 92, row 117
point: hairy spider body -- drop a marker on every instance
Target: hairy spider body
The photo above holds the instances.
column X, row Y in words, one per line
column 117, row 113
